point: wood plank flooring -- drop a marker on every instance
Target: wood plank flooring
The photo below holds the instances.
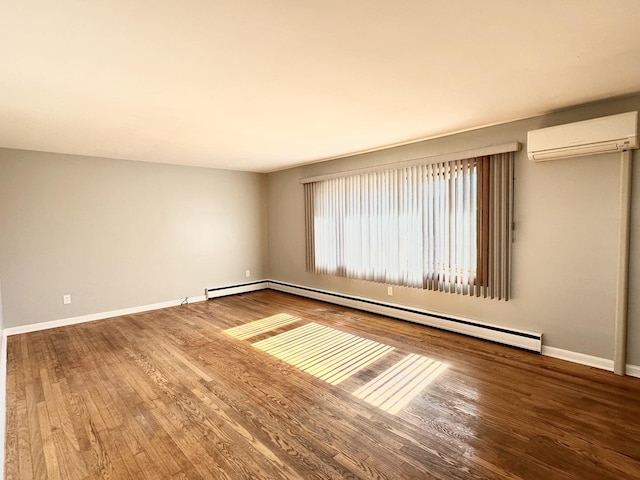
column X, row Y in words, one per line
column 173, row 394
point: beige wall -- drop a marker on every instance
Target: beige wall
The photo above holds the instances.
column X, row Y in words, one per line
column 564, row 257
column 116, row 234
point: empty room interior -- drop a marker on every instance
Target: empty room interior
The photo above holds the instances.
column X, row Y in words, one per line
column 331, row 240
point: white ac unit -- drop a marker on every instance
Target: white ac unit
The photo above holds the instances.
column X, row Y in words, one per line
column 599, row 135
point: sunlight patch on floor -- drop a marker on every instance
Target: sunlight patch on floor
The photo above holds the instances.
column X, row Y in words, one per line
column 324, row 352
column 248, row 330
column 393, row 389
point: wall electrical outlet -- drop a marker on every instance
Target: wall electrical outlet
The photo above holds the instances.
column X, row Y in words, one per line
column 66, row 299
column 390, row 291
column 247, row 273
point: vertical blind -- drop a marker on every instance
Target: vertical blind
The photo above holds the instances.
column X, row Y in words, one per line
column 442, row 226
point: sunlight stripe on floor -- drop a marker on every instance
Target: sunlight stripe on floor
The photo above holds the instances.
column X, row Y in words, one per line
column 324, row 352
column 248, row 330
column 393, row 389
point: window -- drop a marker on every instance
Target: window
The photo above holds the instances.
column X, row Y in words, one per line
column 442, row 226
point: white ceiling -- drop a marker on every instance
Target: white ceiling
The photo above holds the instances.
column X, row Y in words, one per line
column 264, row 84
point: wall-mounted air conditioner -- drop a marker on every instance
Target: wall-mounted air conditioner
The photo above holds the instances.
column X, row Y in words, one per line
column 599, row 135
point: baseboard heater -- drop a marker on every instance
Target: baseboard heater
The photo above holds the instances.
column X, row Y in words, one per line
column 215, row 292
column 526, row 340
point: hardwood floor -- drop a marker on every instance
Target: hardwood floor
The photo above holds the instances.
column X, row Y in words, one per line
column 177, row 394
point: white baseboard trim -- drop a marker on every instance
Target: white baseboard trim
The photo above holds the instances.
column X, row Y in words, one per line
column 575, row 357
column 34, row 327
column 517, row 338
column 209, row 293
column 588, row 360
column 633, row 370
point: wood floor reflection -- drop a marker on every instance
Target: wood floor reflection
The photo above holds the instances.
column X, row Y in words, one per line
column 268, row 385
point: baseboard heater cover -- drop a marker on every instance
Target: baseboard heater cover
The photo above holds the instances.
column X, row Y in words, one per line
column 526, row 340
column 215, row 292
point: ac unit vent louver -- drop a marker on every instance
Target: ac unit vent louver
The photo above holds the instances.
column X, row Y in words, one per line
column 614, row 133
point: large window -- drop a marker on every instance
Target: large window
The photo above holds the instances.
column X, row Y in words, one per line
column 440, row 226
